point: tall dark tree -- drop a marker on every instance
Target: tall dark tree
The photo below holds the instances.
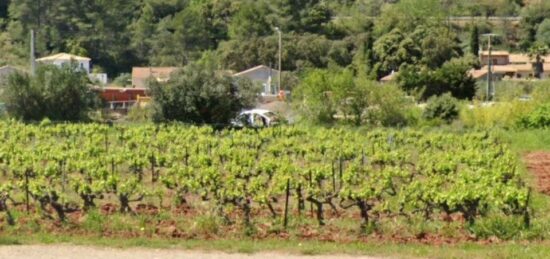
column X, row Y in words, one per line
column 474, row 40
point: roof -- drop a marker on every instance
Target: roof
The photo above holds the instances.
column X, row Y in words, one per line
column 63, row 56
column 120, row 89
column 519, row 58
column 389, row 77
column 477, row 74
column 256, row 111
column 160, row 73
column 260, row 67
column 524, row 58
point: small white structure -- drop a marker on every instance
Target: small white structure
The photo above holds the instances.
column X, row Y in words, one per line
column 263, row 75
column 83, row 63
column 64, row 59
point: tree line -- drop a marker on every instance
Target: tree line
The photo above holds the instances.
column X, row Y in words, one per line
column 120, row 34
column 321, row 39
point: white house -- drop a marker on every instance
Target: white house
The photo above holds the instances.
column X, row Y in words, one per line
column 84, row 63
column 64, row 59
column 263, row 75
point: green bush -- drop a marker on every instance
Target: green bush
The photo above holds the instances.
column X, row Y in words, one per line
column 60, row 94
column 539, row 118
column 200, row 93
column 444, row 107
column 504, row 228
column 500, row 114
column 140, row 114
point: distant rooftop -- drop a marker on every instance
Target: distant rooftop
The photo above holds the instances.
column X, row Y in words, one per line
column 63, row 56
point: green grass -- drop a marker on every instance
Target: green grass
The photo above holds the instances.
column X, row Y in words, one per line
column 527, row 140
column 505, row 250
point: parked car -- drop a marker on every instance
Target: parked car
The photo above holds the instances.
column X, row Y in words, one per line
column 256, row 118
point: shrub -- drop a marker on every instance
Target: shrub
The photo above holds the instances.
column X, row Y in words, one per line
column 444, row 107
column 140, row 114
column 390, row 107
column 539, row 118
column 452, row 77
column 60, row 94
column 504, row 228
column 200, row 93
column 502, row 114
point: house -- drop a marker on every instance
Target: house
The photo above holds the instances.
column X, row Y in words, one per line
column 262, row 75
column 64, row 59
column 140, row 75
column 507, row 65
column 118, row 98
column 498, row 58
column 389, row 78
column 83, row 63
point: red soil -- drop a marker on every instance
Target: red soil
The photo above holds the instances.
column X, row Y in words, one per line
column 538, row 163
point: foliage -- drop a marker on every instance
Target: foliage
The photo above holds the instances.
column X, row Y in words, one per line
column 60, row 94
column 199, row 93
column 538, row 118
column 317, row 96
column 474, row 41
column 452, row 78
column 140, row 114
column 123, row 80
column 237, row 172
column 536, row 53
column 443, row 107
column 389, row 106
column 501, row 114
column 543, row 32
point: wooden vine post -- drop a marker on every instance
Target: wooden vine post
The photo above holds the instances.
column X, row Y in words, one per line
column 287, row 197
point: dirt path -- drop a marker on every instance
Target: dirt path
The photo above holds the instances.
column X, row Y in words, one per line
column 538, row 163
column 84, row 252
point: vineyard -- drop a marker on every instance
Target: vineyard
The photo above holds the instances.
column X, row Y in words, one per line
column 276, row 174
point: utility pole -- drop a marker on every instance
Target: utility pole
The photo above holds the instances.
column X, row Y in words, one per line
column 280, row 56
column 490, row 86
column 33, row 64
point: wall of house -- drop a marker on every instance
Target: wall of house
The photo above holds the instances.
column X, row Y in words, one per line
column 84, row 65
column 497, row 60
column 121, row 95
column 264, row 77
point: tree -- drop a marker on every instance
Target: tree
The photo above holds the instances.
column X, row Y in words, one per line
column 59, row 94
column 200, row 93
column 452, row 78
column 325, row 93
column 474, row 41
column 407, row 15
column 390, row 53
column 437, row 45
column 543, row 32
column 536, row 53
column 302, row 15
column 444, row 107
column 143, row 31
column 318, row 97
column 251, row 20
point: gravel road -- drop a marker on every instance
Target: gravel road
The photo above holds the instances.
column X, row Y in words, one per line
column 85, row 252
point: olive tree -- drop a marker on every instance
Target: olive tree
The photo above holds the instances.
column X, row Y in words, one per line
column 59, row 94
column 200, row 93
